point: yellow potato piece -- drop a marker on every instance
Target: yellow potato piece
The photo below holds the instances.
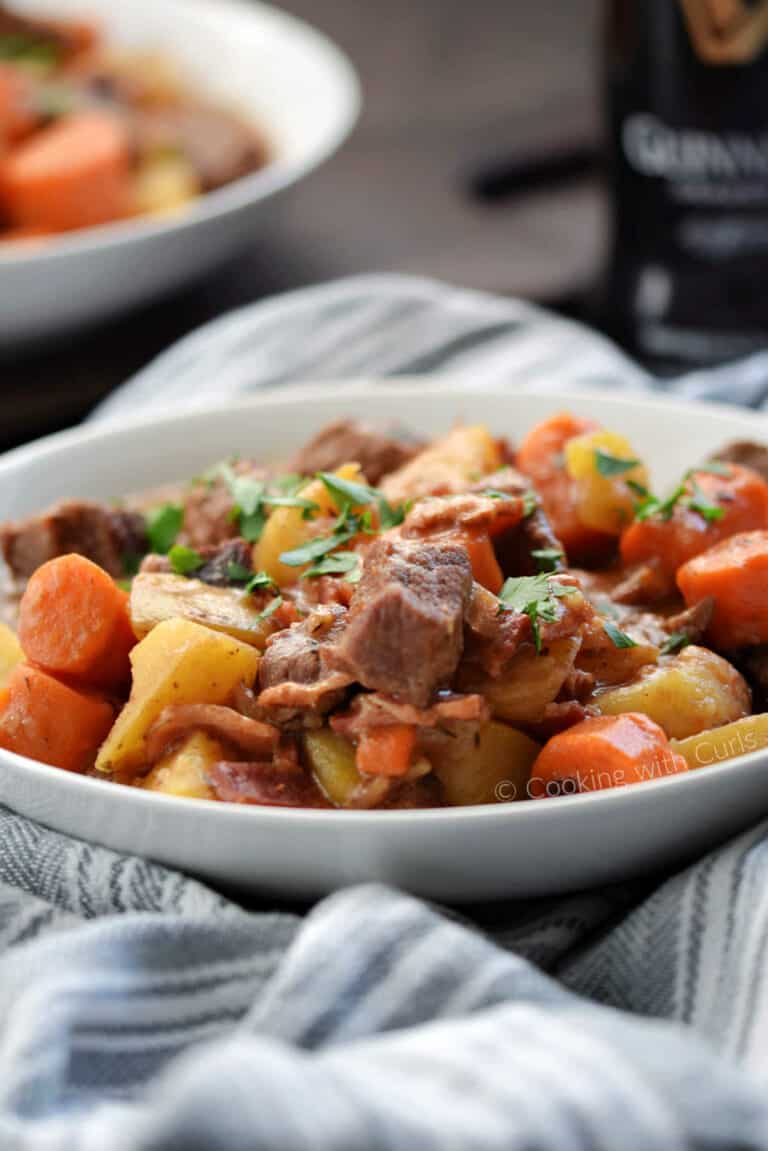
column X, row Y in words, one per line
column 684, row 694
column 530, row 683
column 727, row 742
column 184, row 772
column 164, row 184
column 494, row 767
column 332, row 760
column 157, row 596
column 10, row 653
column 464, row 455
column 178, row 662
column 605, row 503
column 287, row 529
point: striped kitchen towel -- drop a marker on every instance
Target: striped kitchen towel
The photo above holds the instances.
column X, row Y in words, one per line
column 140, row 1011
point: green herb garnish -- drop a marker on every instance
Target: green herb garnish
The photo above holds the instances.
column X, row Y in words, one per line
column 271, row 608
column 339, row 563
column 617, row 637
column 185, row 560
column 313, row 550
column 610, row 465
column 698, row 502
column 715, row 468
column 163, row 526
column 676, row 642
column 547, row 559
column 260, row 582
column 530, row 503
column 238, row 573
column 534, row 596
column 252, row 497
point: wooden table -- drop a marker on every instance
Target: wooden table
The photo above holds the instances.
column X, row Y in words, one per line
column 450, row 89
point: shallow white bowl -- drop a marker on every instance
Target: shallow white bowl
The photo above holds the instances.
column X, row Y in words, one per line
column 289, row 78
column 453, row 854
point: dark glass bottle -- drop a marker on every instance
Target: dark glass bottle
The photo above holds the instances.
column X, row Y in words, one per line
column 687, row 95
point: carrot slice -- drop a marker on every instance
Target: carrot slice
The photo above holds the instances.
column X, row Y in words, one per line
column 73, row 621
column 735, row 573
column 603, row 752
column 742, row 499
column 73, row 174
column 540, row 457
column 47, row 720
column 386, row 750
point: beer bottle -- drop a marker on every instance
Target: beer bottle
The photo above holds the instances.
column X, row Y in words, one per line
column 687, row 95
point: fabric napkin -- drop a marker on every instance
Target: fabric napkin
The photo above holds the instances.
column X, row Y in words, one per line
column 140, row 1011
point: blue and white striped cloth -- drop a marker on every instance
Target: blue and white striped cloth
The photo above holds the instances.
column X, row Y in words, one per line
column 140, row 1011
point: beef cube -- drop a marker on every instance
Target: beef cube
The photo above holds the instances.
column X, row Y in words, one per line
column 109, row 537
column 404, row 633
column 347, row 441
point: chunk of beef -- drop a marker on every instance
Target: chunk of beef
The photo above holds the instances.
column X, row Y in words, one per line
column 265, row 784
column 404, row 633
column 208, row 509
column 294, row 675
column 644, row 584
column 348, row 441
column 746, row 453
column 218, row 144
column 693, row 622
column 218, row 562
column 492, row 636
column 371, row 709
column 473, row 513
column 514, row 548
column 109, row 537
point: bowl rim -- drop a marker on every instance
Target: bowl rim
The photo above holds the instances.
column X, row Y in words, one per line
column 275, row 176
column 358, row 391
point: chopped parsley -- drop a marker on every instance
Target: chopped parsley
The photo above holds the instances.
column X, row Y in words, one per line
column 609, row 465
column 530, row 503
column 320, row 546
column 676, row 642
column 340, row 563
column 252, row 497
column 238, row 573
column 716, row 468
column 271, row 608
column 698, row 502
column 534, row 596
column 260, row 582
column 163, row 526
column 184, row 560
column 547, row 559
column 618, row 637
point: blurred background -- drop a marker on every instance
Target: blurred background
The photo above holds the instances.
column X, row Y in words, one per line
column 442, row 177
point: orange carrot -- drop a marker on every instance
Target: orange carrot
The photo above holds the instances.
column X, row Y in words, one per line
column 46, row 720
column 73, row 621
column 741, row 497
column 540, row 457
column 735, row 573
column 73, row 174
column 606, row 751
column 17, row 115
column 386, row 750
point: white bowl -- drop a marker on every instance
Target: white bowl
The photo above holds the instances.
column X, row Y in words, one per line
column 454, row 854
column 286, row 76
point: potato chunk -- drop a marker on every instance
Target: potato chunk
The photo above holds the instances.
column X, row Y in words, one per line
column 727, row 742
column 448, row 465
column 684, row 694
column 287, row 528
column 184, row 772
column 604, row 502
column 530, row 682
column 490, row 766
column 10, row 653
column 178, row 662
column 332, row 760
column 157, row 596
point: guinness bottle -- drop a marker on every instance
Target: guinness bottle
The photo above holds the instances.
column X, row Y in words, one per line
column 688, row 101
